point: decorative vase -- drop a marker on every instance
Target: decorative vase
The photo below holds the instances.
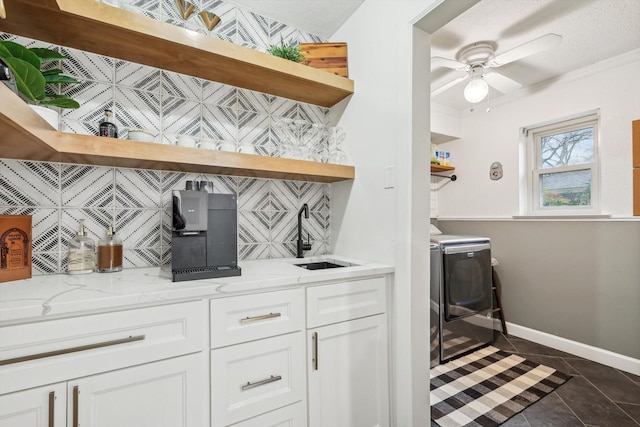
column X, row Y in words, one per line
column 50, row 116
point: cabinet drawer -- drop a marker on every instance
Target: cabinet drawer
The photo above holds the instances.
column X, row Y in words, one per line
column 45, row 352
column 250, row 317
column 256, row 377
column 345, row 301
column 290, row 416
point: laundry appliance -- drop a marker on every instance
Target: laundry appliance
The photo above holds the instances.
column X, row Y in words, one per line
column 461, row 303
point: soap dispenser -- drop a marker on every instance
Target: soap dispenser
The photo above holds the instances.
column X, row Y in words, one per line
column 110, row 252
column 81, row 255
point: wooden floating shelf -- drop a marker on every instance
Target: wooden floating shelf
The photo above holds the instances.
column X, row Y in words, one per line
column 26, row 136
column 440, row 168
column 106, row 30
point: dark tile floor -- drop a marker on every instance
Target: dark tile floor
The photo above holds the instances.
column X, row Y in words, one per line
column 595, row 396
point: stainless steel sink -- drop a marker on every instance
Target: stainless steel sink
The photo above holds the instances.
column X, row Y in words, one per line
column 321, row 265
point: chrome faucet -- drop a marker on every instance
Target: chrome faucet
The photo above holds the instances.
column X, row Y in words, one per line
column 302, row 246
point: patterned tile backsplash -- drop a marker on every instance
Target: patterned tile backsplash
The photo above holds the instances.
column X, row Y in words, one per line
column 137, row 201
column 169, row 104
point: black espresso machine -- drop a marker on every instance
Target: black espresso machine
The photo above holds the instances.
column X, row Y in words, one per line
column 204, row 240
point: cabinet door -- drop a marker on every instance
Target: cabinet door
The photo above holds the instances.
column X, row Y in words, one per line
column 169, row 393
column 348, row 374
column 37, row 407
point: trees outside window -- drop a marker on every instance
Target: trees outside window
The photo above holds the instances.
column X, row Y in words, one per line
column 564, row 167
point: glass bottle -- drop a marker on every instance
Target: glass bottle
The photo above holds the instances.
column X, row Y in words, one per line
column 108, row 129
column 110, row 252
column 81, row 255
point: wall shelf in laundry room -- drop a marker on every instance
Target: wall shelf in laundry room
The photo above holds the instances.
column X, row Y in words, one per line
column 439, row 168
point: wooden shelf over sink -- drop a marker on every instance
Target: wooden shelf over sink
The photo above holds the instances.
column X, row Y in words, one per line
column 26, row 136
column 106, row 30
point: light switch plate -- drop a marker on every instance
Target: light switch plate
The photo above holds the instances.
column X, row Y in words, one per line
column 388, row 177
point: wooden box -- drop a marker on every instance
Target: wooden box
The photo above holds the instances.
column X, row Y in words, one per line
column 331, row 57
column 15, row 247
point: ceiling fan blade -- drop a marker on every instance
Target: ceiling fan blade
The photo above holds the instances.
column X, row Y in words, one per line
column 451, row 84
column 501, row 83
column 438, row 61
column 530, row 48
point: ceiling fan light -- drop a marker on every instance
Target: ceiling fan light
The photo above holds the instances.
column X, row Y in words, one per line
column 476, row 90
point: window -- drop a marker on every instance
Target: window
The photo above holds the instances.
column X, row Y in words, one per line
column 563, row 160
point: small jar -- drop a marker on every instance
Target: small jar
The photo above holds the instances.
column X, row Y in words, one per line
column 81, row 253
column 110, row 252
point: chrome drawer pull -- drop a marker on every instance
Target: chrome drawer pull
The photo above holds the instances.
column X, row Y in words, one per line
column 259, row 318
column 71, row 350
column 271, row 379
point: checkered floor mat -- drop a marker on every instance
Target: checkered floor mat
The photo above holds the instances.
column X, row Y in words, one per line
column 487, row 387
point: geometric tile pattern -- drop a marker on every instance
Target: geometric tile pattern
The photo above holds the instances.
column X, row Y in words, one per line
column 136, row 201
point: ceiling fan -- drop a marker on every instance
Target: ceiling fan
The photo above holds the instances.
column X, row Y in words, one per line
column 476, row 57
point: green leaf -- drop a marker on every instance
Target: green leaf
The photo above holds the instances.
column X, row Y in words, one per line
column 47, row 55
column 290, row 51
column 51, row 71
column 19, row 51
column 4, row 52
column 29, row 80
column 59, row 78
column 25, row 66
column 62, row 102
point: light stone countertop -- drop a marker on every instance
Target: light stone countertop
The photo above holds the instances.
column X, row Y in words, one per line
column 62, row 295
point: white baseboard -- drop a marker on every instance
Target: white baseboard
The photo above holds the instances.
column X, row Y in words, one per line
column 606, row 357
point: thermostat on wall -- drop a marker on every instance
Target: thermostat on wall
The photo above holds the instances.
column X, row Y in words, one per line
column 495, row 172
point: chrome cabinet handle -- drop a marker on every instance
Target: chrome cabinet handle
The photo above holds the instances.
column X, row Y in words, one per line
column 52, row 403
column 71, row 350
column 259, row 318
column 271, row 379
column 76, row 396
column 314, row 351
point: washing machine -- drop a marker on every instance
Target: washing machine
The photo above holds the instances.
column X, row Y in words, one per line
column 461, row 303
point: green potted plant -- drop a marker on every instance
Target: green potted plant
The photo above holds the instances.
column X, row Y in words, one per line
column 26, row 67
column 290, row 51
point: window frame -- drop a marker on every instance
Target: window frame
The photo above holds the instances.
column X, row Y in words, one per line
column 535, row 170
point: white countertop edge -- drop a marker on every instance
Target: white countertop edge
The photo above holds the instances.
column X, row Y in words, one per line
column 61, row 295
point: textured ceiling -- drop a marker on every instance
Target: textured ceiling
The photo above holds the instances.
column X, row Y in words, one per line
column 592, row 31
column 319, row 17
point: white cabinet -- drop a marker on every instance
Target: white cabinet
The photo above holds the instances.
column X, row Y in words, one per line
column 37, row 407
column 347, row 355
column 290, row 416
column 168, row 393
column 131, row 368
column 257, row 359
column 256, row 377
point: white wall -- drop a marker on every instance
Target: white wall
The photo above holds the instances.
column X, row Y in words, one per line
column 611, row 86
column 369, row 221
column 387, row 124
